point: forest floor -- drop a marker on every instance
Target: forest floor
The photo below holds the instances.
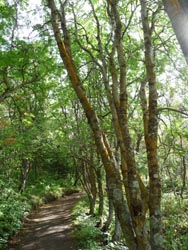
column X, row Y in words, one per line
column 50, row 227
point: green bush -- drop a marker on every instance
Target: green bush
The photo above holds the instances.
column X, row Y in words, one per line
column 12, row 211
column 15, row 206
column 87, row 235
column 175, row 223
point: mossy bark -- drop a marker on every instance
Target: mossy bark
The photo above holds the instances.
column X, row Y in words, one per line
column 150, row 116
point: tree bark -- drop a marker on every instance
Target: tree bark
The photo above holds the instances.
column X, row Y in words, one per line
column 110, row 215
column 133, row 184
column 151, row 134
column 177, row 11
column 100, row 192
column 93, row 187
column 117, row 231
column 25, row 170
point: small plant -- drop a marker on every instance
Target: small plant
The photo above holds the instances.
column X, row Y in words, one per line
column 15, row 206
column 12, row 211
column 175, row 223
column 87, row 235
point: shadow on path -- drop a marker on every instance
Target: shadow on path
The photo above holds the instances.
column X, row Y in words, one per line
column 50, row 228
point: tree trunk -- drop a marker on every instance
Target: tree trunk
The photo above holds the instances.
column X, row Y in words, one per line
column 89, row 185
column 93, row 187
column 100, row 192
column 151, row 133
column 110, row 216
column 117, row 231
column 135, row 196
column 177, row 11
column 25, row 170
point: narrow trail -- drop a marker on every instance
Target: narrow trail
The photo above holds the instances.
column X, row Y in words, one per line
column 50, row 228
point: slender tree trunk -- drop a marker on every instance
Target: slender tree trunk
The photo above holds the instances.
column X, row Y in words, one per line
column 117, row 231
column 25, row 170
column 183, row 170
column 135, row 196
column 76, row 172
column 100, row 192
column 151, row 134
column 89, row 185
column 93, row 188
column 110, row 215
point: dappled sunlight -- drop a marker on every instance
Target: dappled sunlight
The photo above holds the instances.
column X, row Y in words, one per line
column 50, row 227
column 93, row 97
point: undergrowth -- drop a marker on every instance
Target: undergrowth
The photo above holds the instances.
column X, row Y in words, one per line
column 14, row 207
column 175, row 226
column 175, row 222
column 87, row 235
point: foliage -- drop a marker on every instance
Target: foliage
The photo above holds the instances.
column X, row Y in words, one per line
column 45, row 189
column 12, row 211
column 175, row 222
column 14, row 207
column 87, row 235
column 42, row 122
column 175, row 226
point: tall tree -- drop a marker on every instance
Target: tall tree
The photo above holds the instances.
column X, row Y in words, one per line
column 150, row 115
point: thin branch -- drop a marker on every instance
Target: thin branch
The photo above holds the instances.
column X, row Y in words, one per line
column 174, row 110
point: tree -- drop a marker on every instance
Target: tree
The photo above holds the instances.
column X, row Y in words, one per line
column 106, row 52
column 24, row 88
column 110, row 114
column 150, row 116
column 177, row 11
column 112, row 172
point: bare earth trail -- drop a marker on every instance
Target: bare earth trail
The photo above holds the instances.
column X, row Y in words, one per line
column 50, row 228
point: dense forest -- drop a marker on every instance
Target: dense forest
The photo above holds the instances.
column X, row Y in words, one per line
column 93, row 97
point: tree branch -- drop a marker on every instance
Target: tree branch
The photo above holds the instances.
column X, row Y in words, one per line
column 174, row 110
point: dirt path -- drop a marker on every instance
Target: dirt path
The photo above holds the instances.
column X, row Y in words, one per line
column 51, row 227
